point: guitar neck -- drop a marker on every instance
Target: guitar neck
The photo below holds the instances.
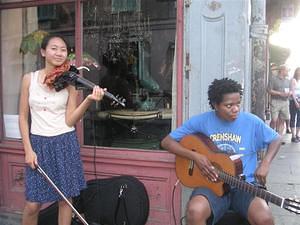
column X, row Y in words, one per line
column 252, row 189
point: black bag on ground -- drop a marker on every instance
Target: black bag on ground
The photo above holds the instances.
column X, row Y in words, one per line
column 121, row 200
column 232, row 218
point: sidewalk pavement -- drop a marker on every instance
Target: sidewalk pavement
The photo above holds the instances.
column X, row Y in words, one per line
column 284, row 180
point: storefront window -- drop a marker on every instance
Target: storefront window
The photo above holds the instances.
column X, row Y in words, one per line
column 130, row 47
column 22, row 30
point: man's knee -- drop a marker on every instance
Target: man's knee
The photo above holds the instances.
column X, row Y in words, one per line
column 259, row 213
column 198, row 210
column 265, row 219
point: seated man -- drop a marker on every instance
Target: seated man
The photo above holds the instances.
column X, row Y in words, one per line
column 251, row 135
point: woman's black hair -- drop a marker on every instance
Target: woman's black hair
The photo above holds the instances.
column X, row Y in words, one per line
column 218, row 88
column 47, row 38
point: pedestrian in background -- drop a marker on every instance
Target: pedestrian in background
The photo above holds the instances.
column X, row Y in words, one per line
column 279, row 90
column 295, row 106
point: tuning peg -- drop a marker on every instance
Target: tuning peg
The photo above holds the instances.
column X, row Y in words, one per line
column 114, row 103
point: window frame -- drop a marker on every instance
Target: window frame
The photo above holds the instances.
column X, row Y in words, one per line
column 179, row 58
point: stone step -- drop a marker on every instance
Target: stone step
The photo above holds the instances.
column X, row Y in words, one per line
column 10, row 218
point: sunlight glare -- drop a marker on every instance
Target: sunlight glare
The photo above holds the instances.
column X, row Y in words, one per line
column 288, row 36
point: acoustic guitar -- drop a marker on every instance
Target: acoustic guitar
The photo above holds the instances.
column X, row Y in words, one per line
column 228, row 170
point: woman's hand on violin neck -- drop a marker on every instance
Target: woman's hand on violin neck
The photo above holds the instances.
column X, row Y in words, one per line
column 97, row 94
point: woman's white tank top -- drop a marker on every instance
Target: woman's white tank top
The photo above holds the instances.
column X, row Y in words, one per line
column 47, row 108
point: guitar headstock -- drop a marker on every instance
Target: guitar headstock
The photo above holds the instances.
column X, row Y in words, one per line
column 292, row 205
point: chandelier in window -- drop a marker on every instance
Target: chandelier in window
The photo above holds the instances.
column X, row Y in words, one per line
column 127, row 26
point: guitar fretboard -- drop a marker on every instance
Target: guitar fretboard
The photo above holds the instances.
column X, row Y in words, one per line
column 250, row 188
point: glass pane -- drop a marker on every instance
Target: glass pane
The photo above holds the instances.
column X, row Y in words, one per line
column 21, row 33
column 130, row 48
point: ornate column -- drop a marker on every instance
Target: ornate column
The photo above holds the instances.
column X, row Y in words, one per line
column 258, row 35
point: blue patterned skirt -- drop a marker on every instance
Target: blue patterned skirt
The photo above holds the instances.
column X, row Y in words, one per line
column 59, row 157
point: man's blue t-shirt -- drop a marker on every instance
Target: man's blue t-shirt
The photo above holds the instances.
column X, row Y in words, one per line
column 246, row 135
